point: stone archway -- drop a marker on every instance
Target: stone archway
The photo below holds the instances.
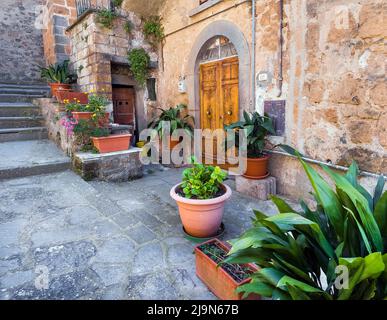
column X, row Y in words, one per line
column 231, row 31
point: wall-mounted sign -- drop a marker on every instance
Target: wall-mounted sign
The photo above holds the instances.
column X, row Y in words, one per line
column 276, row 110
column 263, row 78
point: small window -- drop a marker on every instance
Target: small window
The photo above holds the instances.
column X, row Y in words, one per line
column 151, row 87
column 217, row 48
column 202, row 1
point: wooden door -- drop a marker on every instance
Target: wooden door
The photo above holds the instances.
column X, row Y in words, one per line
column 124, row 105
column 219, row 94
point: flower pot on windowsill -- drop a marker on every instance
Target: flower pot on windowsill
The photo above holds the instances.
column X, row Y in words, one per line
column 112, row 143
column 257, row 168
column 55, row 87
column 222, row 280
column 72, row 96
column 201, row 218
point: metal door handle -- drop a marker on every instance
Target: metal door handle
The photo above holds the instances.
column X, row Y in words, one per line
column 229, row 112
column 209, row 114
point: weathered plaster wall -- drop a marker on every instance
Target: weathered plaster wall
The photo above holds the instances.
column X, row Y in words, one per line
column 333, row 75
column 20, row 42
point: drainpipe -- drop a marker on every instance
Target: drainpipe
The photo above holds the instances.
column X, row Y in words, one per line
column 280, row 48
column 253, row 55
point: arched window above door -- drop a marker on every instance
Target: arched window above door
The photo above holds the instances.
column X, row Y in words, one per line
column 217, row 48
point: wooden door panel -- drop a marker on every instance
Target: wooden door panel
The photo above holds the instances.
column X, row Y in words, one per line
column 209, row 94
column 124, row 105
column 230, row 91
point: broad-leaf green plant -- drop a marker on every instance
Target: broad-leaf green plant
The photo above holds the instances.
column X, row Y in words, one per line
column 301, row 254
column 58, row 73
column 257, row 128
column 175, row 117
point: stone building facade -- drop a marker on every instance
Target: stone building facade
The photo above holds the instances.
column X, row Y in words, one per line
column 318, row 64
column 21, row 41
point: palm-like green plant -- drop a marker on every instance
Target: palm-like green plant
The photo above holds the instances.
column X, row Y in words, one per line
column 176, row 119
column 298, row 252
column 58, row 73
column 257, row 128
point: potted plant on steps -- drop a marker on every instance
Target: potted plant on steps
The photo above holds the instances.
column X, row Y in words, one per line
column 58, row 76
column 257, row 128
column 95, row 108
column 201, row 198
column 176, row 119
column 223, row 279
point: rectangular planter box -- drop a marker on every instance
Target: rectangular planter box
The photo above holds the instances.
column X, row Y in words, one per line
column 218, row 280
column 72, row 96
column 113, row 143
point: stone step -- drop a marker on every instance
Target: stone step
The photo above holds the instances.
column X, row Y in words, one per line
column 22, row 134
column 21, row 122
column 19, row 110
column 9, row 97
column 29, row 158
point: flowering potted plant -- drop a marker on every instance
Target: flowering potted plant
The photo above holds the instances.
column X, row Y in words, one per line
column 201, row 199
column 95, row 108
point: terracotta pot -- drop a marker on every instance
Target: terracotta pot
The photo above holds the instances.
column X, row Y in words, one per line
column 55, row 87
column 257, row 168
column 201, row 218
column 217, row 279
column 88, row 116
column 113, row 143
column 72, row 96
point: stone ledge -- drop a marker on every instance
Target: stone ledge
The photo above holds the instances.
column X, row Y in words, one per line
column 258, row 189
column 113, row 167
column 204, row 6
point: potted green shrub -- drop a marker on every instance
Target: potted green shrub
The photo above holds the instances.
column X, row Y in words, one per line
column 296, row 250
column 58, row 76
column 174, row 116
column 201, row 199
column 257, row 128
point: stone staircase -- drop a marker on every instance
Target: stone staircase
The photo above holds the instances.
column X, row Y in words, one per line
column 24, row 147
column 19, row 119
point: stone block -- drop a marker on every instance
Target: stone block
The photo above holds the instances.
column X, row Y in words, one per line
column 114, row 167
column 258, row 189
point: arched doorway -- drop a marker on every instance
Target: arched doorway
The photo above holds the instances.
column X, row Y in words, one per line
column 218, row 84
column 234, row 46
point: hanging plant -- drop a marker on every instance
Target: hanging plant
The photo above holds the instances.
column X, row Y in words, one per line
column 106, row 18
column 153, row 30
column 139, row 61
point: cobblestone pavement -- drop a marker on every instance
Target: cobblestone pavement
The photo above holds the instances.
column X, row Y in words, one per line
column 96, row 240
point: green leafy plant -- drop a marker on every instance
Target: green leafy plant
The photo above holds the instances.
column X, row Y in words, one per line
column 58, row 73
column 128, row 27
column 97, row 105
column 257, row 128
column 297, row 250
column 139, row 61
column 153, row 30
column 84, row 130
column 106, row 17
column 202, row 181
column 117, row 3
column 176, row 119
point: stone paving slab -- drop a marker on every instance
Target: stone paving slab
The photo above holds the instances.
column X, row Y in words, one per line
column 99, row 240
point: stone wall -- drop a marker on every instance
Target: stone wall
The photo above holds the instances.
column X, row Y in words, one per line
column 333, row 73
column 95, row 47
column 60, row 14
column 20, row 42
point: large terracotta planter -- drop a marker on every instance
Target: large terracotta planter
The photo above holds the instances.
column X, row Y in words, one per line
column 219, row 280
column 201, row 218
column 88, row 115
column 72, row 96
column 113, row 143
column 55, row 87
column 257, row 168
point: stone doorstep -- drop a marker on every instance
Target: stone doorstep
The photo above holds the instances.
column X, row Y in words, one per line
column 258, row 189
column 113, row 167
